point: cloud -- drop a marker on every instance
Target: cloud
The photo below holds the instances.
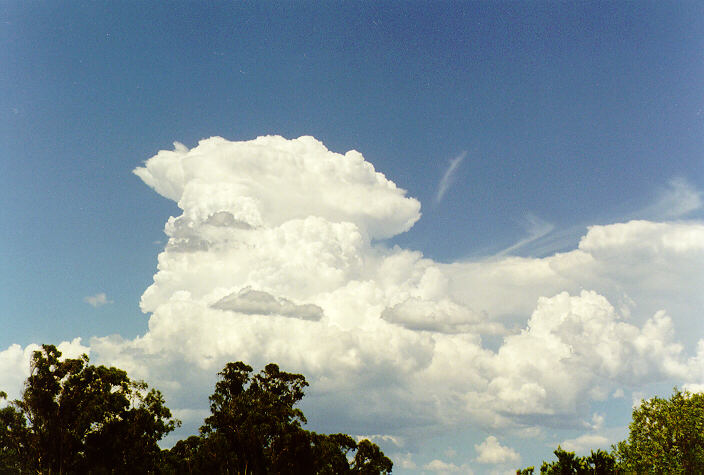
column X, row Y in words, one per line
column 256, row 302
column 439, row 466
column 270, row 180
column 381, row 438
column 492, row 452
column 276, row 257
column 273, row 227
column 97, row 300
column 444, row 316
column 680, row 198
column 585, row 443
column 404, row 460
column 536, row 228
column 15, row 363
column 694, row 388
column 449, row 176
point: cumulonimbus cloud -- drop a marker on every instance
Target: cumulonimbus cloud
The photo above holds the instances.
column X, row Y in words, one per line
column 276, row 257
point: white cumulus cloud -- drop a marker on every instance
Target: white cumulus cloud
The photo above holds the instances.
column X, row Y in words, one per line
column 15, row 363
column 492, row 452
column 440, row 467
column 585, row 443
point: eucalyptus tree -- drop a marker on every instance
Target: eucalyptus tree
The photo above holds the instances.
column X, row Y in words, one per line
column 75, row 417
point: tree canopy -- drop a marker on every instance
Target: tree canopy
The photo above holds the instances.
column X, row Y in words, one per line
column 254, row 427
column 665, row 436
column 73, row 417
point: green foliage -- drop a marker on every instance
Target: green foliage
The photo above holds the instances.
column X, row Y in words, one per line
column 78, row 418
column 255, row 428
column 602, row 462
column 597, row 463
column 370, row 460
column 666, row 436
column 13, row 428
column 567, row 463
column 74, row 417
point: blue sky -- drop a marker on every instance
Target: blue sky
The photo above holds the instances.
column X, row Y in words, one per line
column 551, row 117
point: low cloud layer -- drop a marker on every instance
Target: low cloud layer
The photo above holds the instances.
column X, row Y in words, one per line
column 276, row 258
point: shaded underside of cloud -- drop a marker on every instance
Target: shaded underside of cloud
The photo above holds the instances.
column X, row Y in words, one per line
column 274, row 259
column 256, row 302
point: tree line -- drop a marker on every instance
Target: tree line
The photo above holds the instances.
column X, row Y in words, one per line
column 73, row 417
column 665, row 436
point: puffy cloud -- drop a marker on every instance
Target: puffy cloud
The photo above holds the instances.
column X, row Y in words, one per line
column 575, row 346
column 271, row 180
column 492, row 452
column 439, row 466
column 97, row 300
column 14, row 368
column 15, row 363
column 381, row 438
column 585, row 443
column 404, row 460
column 275, row 258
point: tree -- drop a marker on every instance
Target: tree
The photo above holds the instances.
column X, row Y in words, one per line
column 76, row 417
column 255, row 428
column 253, row 423
column 665, row 436
column 567, row 463
column 13, row 429
column 602, row 462
column 370, row 460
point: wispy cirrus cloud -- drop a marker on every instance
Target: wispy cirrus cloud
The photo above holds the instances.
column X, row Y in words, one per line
column 449, row 176
column 97, row 300
column 677, row 200
column 536, row 229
